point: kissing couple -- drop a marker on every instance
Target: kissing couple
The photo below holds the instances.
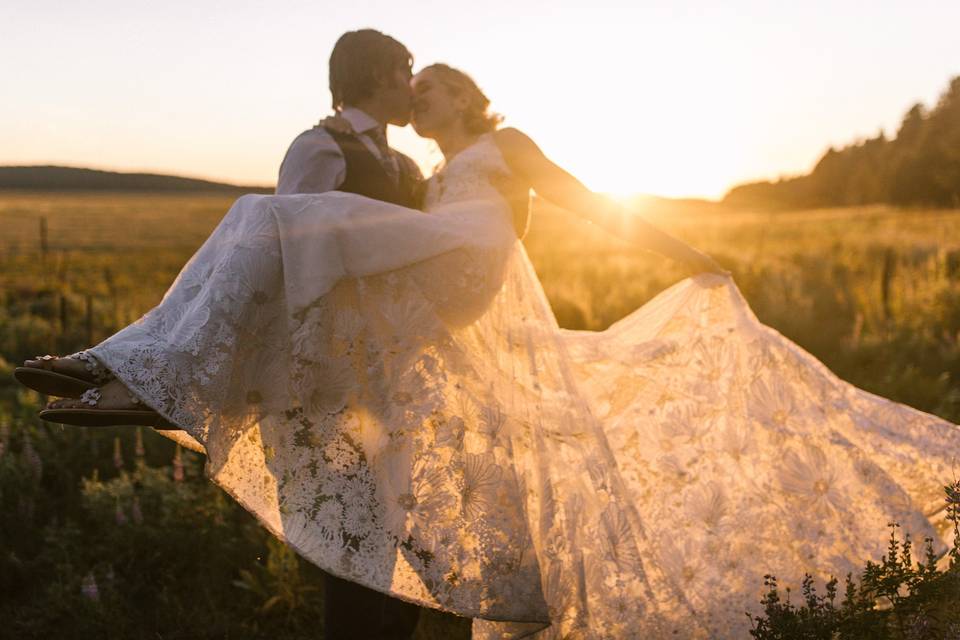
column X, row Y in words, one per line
column 372, row 369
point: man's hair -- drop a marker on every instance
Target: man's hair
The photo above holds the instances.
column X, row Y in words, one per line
column 360, row 61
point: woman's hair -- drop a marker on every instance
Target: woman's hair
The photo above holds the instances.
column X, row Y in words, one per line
column 477, row 117
column 360, row 61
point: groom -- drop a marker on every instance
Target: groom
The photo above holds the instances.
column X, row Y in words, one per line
column 370, row 81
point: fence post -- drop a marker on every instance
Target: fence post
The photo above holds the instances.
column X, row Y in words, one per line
column 889, row 266
column 44, row 246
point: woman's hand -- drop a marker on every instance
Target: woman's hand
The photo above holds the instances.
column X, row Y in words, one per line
column 337, row 124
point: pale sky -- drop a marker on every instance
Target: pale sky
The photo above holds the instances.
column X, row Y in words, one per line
column 679, row 98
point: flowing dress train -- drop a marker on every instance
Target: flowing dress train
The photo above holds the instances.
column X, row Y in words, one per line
column 387, row 390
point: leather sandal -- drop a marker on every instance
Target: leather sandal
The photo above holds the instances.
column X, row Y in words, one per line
column 88, row 415
column 41, row 377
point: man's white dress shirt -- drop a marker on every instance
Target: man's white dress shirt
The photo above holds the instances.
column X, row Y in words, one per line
column 314, row 162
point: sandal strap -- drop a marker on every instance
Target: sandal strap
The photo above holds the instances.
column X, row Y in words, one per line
column 100, row 373
column 91, row 397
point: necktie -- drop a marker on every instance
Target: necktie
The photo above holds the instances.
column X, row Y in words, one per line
column 387, row 160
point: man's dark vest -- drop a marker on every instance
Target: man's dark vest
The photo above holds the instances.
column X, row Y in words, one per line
column 367, row 177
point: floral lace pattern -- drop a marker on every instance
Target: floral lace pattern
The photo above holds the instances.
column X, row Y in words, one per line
column 388, row 391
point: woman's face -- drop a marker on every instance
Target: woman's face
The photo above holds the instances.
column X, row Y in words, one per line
column 435, row 108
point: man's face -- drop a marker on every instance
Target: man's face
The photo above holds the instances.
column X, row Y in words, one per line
column 396, row 94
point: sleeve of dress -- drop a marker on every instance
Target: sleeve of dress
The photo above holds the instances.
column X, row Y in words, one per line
column 314, row 163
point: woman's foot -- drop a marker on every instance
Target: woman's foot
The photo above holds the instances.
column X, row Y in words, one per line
column 110, row 397
column 110, row 405
column 68, row 377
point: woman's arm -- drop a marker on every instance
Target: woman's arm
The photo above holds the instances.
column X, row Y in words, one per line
column 550, row 181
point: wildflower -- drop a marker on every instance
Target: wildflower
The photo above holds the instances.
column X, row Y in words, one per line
column 89, row 587
column 117, row 453
column 119, row 516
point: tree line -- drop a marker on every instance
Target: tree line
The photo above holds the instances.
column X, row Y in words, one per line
column 919, row 167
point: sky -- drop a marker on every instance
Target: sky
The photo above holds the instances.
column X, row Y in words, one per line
column 682, row 98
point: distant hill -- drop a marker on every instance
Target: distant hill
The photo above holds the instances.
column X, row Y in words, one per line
column 51, row 178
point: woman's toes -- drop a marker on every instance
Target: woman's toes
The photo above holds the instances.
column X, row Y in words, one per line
column 64, row 403
column 67, row 366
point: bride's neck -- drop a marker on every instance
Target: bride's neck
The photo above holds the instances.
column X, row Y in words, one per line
column 453, row 142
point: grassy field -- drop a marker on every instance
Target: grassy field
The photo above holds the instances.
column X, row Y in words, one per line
column 873, row 292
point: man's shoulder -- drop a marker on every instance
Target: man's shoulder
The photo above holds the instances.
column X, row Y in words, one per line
column 313, row 137
column 314, row 163
column 312, row 146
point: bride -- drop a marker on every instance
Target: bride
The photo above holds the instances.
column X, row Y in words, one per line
column 388, row 391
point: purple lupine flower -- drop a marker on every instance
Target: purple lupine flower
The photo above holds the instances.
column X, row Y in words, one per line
column 118, row 515
column 89, row 587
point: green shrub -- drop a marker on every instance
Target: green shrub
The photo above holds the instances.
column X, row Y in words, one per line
column 894, row 599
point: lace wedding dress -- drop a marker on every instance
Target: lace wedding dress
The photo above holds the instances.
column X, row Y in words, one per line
column 388, row 391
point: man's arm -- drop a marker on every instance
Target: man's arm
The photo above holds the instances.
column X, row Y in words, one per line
column 314, row 164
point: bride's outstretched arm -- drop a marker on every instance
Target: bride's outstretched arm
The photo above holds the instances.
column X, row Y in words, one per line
column 552, row 182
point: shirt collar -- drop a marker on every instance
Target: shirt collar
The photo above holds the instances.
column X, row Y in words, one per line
column 360, row 120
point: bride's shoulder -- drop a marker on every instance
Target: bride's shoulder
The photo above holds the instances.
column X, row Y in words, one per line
column 511, row 138
column 518, row 149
